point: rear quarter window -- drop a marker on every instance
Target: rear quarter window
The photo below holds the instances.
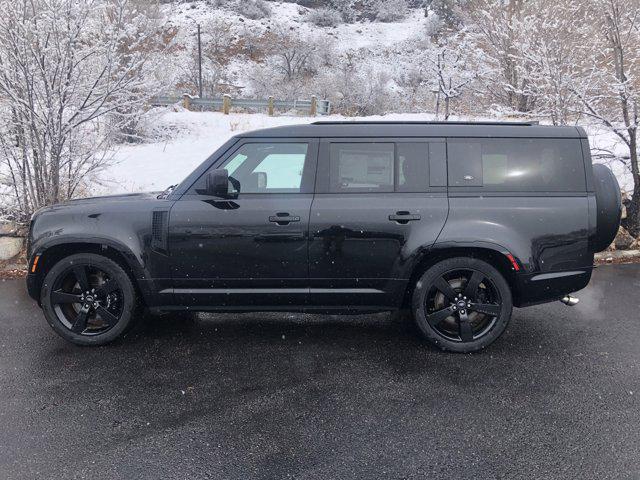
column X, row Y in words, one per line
column 516, row 164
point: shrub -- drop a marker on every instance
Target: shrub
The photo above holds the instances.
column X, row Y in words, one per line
column 324, row 17
column 253, row 9
column 345, row 8
column 392, row 10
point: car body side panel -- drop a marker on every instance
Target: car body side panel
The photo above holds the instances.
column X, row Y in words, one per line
column 548, row 235
column 357, row 256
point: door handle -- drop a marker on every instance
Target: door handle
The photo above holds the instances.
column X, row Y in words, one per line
column 403, row 217
column 283, row 218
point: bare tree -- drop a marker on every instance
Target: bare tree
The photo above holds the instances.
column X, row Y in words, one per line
column 291, row 63
column 452, row 69
column 292, row 55
column 68, row 69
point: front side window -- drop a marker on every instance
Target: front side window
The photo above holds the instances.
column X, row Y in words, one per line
column 266, row 168
column 517, row 164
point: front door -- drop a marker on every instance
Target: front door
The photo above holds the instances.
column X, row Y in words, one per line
column 379, row 203
column 249, row 249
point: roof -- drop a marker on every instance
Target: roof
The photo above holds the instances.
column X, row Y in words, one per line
column 370, row 129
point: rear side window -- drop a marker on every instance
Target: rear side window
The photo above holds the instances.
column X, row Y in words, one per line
column 406, row 166
column 413, row 167
column 517, row 164
column 361, row 167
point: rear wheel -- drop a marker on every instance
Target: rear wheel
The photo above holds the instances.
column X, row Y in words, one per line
column 88, row 299
column 462, row 304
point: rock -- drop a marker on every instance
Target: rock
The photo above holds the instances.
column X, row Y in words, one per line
column 626, row 199
column 10, row 247
column 623, row 240
column 7, row 228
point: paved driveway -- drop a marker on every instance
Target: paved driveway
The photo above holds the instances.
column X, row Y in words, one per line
column 308, row 397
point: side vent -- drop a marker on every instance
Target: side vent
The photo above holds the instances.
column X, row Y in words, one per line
column 159, row 226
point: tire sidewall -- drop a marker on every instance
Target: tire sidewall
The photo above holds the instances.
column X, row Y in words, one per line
column 115, row 272
column 423, row 286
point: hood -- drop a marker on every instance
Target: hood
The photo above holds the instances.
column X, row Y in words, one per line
column 96, row 200
column 114, row 198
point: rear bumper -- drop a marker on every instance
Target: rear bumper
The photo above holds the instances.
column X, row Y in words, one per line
column 531, row 289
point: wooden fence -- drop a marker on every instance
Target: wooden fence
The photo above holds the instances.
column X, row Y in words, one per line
column 313, row 106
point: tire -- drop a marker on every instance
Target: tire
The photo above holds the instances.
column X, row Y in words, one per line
column 609, row 204
column 89, row 299
column 462, row 304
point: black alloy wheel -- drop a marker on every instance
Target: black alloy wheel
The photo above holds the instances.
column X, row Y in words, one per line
column 88, row 299
column 462, row 304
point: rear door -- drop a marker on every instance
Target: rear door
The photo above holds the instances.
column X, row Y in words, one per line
column 378, row 203
column 249, row 250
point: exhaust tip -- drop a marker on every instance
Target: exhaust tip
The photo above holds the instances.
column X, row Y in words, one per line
column 569, row 300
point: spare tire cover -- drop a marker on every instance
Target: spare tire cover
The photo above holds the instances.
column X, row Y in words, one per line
column 609, row 204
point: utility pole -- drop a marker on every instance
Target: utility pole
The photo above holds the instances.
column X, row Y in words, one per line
column 199, row 63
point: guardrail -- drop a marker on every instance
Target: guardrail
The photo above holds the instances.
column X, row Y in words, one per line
column 313, row 106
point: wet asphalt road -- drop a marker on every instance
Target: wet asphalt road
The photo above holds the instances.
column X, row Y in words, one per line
column 308, row 397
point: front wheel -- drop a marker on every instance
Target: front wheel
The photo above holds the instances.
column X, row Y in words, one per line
column 88, row 299
column 462, row 304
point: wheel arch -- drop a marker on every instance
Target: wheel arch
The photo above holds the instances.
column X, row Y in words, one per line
column 493, row 254
column 52, row 253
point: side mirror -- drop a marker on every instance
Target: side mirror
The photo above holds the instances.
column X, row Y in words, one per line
column 218, row 183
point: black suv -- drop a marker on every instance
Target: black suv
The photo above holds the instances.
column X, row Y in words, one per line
column 457, row 222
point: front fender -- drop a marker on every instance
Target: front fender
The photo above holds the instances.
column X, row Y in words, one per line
column 133, row 256
column 123, row 227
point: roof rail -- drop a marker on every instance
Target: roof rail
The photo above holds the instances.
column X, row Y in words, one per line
column 417, row 122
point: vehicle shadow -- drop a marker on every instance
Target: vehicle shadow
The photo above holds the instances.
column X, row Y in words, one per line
column 376, row 338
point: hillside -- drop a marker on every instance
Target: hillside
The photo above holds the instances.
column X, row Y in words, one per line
column 238, row 51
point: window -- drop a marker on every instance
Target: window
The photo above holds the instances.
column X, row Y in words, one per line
column 267, row 168
column 361, row 167
column 518, row 164
column 413, row 167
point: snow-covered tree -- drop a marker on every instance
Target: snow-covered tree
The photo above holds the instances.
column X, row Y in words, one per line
column 503, row 32
column 609, row 88
column 554, row 58
column 72, row 74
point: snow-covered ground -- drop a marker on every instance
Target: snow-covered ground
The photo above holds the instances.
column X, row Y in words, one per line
column 192, row 136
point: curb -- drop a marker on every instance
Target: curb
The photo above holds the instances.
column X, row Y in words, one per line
column 618, row 256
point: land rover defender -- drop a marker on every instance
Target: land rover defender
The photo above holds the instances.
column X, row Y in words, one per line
column 456, row 222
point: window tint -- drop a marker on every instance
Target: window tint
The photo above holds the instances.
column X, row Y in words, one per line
column 413, row 167
column 267, row 168
column 361, row 167
column 518, row 164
